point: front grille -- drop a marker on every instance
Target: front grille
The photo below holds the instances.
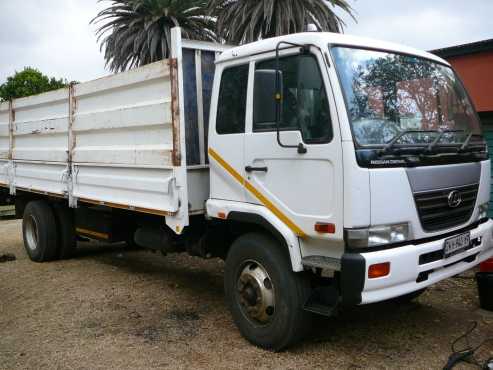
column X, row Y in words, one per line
column 436, row 214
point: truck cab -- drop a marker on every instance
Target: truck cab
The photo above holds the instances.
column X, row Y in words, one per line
column 366, row 157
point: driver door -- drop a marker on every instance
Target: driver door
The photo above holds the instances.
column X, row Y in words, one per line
column 302, row 189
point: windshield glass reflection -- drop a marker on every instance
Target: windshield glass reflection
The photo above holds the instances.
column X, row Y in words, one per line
column 389, row 94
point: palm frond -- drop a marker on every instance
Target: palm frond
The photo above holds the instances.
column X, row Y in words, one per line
column 133, row 33
column 243, row 21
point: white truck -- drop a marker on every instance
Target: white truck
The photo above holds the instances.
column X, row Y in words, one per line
column 333, row 171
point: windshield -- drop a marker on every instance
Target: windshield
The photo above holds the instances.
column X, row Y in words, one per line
column 400, row 99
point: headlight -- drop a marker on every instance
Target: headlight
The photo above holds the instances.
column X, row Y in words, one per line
column 483, row 211
column 377, row 235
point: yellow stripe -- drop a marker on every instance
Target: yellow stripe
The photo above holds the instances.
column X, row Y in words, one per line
column 92, row 233
column 266, row 202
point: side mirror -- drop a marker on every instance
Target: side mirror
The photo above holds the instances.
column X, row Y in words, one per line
column 265, row 104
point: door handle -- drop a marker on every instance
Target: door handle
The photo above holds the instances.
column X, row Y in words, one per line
column 257, row 169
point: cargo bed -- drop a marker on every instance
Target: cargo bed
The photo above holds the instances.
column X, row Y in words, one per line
column 134, row 140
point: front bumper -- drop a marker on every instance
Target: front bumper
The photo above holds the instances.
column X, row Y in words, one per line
column 411, row 269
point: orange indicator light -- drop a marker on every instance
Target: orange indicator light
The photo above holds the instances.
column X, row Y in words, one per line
column 379, row 270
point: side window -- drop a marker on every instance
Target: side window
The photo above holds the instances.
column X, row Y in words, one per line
column 232, row 101
column 304, row 100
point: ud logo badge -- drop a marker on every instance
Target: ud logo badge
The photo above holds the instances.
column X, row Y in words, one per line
column 454, row 199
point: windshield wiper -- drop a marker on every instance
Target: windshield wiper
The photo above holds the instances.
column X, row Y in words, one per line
column 466, row 143
column 439, row 137
column 388, row 147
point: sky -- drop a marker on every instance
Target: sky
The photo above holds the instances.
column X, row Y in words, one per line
column 55, row 36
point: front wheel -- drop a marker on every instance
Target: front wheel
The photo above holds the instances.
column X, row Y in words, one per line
column 264, row 295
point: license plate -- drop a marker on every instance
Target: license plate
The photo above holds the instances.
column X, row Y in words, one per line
column 456, row 245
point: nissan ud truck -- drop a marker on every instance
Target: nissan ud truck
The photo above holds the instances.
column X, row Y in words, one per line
column 327, row 171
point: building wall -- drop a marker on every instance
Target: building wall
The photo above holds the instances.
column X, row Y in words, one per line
column 476, row 70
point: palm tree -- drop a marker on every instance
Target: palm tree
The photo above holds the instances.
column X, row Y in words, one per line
column 138, row 32
column 242, row 21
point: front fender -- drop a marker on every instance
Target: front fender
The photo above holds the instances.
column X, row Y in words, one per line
column 259, row 215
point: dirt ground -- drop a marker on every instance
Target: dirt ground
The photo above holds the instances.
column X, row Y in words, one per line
column 114, row 308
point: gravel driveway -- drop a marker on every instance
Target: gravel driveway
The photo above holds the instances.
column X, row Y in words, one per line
column 113, row 308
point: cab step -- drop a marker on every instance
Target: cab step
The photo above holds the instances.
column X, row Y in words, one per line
column 323, row 301
column 322, row 262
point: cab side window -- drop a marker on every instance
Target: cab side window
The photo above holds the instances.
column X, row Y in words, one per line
column 304, row 100
column 231, row 106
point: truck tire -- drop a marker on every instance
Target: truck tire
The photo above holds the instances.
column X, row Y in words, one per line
column 67, row 240
column 39, row 231
column 263, row 293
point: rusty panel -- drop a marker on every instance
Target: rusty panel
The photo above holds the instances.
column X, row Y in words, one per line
column 175, row 109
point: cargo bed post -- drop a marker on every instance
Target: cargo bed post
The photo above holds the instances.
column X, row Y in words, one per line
column 180, row 220
column 10, row 168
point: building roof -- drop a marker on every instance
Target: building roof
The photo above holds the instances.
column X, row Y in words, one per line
column 322, row 40
column 466, row 49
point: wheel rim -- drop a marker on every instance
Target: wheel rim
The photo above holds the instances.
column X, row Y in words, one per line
column 32, row 235
column 256, row 294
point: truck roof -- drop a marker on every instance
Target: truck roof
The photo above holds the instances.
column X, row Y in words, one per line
column 321, row 39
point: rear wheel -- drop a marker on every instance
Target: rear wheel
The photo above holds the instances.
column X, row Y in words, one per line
column 264, row 295
column 39, row 231
column 67, row 240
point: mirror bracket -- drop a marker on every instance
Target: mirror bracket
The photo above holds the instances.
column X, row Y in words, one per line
column 304, row 50
column 302, row 149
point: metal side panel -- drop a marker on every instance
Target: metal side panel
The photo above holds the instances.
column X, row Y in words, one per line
column 125, row 119
column 198, row 188
column 191, row 107
column 40, row 127
column 149, row 190
column 44, row 177
column 208, row 73
column 4, row 173
column 4, row 130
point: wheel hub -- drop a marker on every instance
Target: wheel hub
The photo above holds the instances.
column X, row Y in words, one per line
column 256, row 293
column 32, row 233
